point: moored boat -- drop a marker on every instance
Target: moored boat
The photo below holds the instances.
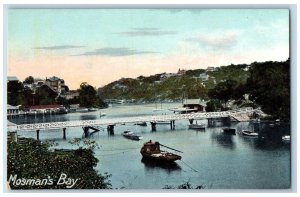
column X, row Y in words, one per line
column 92, row 109
column 141, row 124
column 197, row 126
column 151, row 150
column 82, row 109
column 286, row 138
column 130, row 135
column 249, row 133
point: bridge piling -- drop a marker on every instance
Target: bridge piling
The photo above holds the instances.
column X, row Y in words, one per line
column 153, row 126
column 172, row 124
column 64, row 134
column 110, row 129
column 86, row 132
column 38, row 135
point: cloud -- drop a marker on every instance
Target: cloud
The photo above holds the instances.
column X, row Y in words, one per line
column 147, row 32
column 60, row 47
column 215, row 42
column 115, row 52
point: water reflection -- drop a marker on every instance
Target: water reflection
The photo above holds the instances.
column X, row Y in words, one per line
column 224, row 140
column 168, row 166
column 270, row 136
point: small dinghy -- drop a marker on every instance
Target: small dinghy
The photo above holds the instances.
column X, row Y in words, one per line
column 286, row 138
column 249, row 133
column 141, row 124
column 196, row 126
column 130, row 135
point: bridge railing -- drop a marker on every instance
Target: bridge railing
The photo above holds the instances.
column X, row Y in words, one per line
column 98, row 122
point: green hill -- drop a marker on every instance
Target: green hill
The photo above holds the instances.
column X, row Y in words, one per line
column 173, row 86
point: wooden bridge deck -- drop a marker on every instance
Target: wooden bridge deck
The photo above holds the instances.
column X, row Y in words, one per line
column 238, row 115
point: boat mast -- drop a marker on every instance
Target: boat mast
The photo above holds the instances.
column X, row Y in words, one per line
column 170, row 148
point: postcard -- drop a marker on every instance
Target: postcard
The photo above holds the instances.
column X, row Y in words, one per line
column 148, row 99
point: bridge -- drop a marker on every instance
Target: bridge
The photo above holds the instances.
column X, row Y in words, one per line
column 237, row 115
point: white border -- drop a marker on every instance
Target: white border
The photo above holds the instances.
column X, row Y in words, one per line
column 212, row 3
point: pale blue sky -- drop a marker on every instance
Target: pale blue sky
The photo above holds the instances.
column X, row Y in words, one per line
column 98, row 28
column 227, row 35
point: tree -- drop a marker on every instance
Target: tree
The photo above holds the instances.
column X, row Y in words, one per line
column 87, row 95
column 29, row 80
column 14, row 92
column 269, row 86
column 62, row 101
column 44, row 95
column 27, row 97
column 33, row 160
column 213, row 105
column 223, row 91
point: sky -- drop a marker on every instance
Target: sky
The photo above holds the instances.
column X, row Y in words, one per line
column 99, row 46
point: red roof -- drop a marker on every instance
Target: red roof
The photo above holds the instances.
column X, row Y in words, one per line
column 45, row 106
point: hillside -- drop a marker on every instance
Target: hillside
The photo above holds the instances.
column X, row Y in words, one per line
column 173, row 86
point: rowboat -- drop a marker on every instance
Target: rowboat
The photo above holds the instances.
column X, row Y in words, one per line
column 196, row 126
column 130, row 135
column 249, row 133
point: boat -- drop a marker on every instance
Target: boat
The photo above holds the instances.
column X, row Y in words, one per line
column 229, row 131
column 249, row 133
column 197, row 126
column 82, row 109
column 286, row 138
column 151, row 151
column 92, row 109
column 141, row 124
column 130, row 135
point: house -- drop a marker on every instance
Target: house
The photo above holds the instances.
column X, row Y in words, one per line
column 210, row 69
column 12, row 78
column 181, row 72
column 51, row 92
column 204, row 77
column 194, row 105
column 47, row 109
column 72, row 94
column 57, row 84
column 12, row 110
column 164, row 76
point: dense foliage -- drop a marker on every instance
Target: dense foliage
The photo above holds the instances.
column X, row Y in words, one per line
column 33, row 160
column 17, row 94
column 88, row 96
column 269, row 87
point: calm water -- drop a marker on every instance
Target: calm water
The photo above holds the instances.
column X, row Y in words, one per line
column 209, row 157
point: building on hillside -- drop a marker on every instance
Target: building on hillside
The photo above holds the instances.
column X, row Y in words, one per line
column 181, row 72
column 72, row 94
column 210, row 69
column 204, row 77
column 57, row 84
column 49, row 90
column 12, row 78
column 164, row 76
